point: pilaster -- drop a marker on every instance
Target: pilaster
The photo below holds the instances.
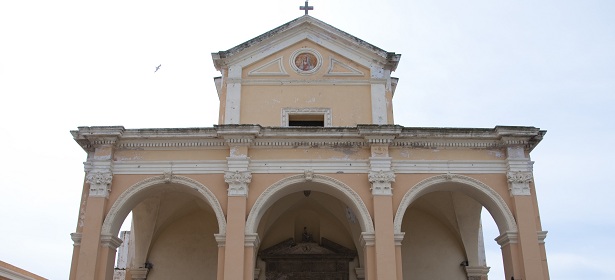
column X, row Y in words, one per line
column 237, row 253
column 95, row 259
column 381, row 177
column 520, row 180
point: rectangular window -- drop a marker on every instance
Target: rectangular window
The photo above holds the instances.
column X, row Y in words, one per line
column 317, row 120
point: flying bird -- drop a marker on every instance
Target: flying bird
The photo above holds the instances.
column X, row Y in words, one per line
column 157, row 67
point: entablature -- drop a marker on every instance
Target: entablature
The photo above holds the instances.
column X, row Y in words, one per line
column 280, row 137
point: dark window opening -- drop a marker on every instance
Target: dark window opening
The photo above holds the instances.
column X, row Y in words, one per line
column 306, row 120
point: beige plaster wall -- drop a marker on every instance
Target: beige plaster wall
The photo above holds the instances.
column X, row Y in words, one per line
column 186, row 249
column 172, row 155
column 263, row 103
column 430, row 250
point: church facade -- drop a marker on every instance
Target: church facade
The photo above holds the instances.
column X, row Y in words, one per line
column 306, row 176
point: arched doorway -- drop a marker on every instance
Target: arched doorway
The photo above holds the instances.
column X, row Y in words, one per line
column 320, row 215
column 441, row 219
column 174, row 223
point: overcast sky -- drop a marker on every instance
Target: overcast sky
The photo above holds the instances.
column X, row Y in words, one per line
column 473, row 63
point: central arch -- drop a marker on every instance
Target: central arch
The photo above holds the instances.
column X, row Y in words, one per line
column 325, row 184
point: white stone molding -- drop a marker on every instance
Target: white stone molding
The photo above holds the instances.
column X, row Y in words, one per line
column 307, row 111
column 76, row 237
column 110, row 241
column 508, row 237
column 367, row 239
column 519, row 182
column 304, row 82
column 542, row 235
column 232, row 111
column 265, row 69
column 238, row 182
column 381, row 182
column 139, row 273
column 252, row 240
column 380, row 164
column 131, row 197
column 399, row 237
column 325, row 184
column 220, row 239
column 476, row 189
column 100, row 183
column 349, row 70
column 379, row 104
column 477, row 272
column 334, row 165
column 315, row 67
column 360, row 272
column 7, row 273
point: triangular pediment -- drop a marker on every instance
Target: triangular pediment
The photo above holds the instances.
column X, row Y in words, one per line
column 272, row 68
column 313, row 30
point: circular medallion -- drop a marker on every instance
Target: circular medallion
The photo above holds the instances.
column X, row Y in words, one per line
column 305, row 61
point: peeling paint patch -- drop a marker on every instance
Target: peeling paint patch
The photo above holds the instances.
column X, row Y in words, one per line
column 405, row 153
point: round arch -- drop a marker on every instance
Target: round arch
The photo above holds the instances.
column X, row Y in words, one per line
column 292, row 184
column 134, row 195
column 476, row 189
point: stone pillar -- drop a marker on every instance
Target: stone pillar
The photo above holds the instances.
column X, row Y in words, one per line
column 399, row 237
column 510, row 254
column 106, row 259
column 236, row 224
column 76, row 237
column 520, row 178
column 367, row 241
column 251, row 248
column 93, row 250
column 238, row 178
column 381, row 179
column 221, row 240
column 100, row 185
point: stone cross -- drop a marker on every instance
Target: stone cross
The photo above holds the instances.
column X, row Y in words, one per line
column 306, row 8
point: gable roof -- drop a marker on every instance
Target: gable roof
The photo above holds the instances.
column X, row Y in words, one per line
column 305, row 27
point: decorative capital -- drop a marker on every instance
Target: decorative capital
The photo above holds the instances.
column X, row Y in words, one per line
column 100, row 183
column 520, row 177
column 76, row 237
column 381, row 182
column 110, row 241
column 507, row 238
column 238, row 182
column 220, row 239
column 519, row 182
column 368, row 239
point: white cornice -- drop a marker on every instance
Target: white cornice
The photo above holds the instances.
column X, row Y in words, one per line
column 216, row 137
